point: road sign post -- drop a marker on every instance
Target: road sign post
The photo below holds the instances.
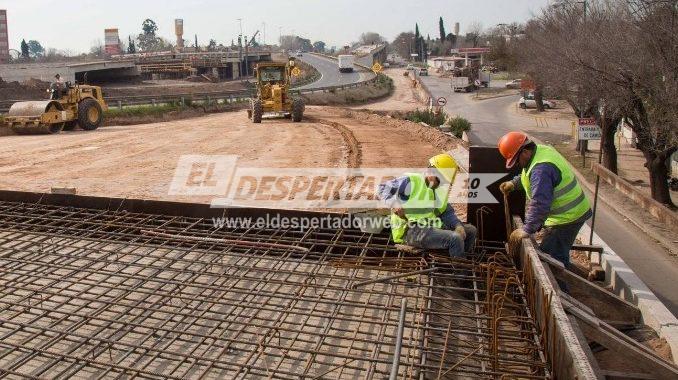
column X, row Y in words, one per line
column 587, row 129
column 442, row 101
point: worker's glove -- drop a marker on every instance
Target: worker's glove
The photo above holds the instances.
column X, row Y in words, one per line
column 400, row 212
column 516, row 240
column 461, row 231
column 507, row 187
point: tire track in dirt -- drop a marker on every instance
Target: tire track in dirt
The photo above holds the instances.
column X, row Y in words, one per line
column 354, row 150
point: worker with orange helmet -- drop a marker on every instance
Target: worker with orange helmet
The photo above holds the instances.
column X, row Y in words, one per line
column 556, row 202
column 420, row 213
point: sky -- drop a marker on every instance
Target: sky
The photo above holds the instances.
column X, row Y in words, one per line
column 75, row 26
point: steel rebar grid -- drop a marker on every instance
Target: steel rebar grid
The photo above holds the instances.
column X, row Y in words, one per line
column 86, row 294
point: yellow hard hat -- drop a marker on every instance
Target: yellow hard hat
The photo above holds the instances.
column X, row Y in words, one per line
column 446, row 166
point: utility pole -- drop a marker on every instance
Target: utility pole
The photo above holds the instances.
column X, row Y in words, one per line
column 240, row 49
column 264, row 36
column 247, row 44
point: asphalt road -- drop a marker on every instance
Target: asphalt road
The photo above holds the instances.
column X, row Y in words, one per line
column 491, row 119
column 330, row 73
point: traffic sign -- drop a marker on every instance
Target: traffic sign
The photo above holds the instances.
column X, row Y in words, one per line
column 588, row 129
column 296, row 72
column 377, row 68
column 442, row 101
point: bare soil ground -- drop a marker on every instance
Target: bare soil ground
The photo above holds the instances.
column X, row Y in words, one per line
column 402, row 98
column 139, row 161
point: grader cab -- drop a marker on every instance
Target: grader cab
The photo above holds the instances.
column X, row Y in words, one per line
column 70, row 106
column 273, row 93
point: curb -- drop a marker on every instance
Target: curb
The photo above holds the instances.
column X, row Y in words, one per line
column 494, row 97
column 626, row 284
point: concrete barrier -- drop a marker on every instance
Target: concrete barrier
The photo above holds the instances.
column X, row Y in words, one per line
column 656, row 209
column 625, row 283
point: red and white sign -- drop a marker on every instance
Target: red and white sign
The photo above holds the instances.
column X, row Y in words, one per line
column 588, row 129
column 442, row 101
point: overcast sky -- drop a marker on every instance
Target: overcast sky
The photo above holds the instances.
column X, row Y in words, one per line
column 77, row 25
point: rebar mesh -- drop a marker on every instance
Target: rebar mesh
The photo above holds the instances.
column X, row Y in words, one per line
column 111, row 294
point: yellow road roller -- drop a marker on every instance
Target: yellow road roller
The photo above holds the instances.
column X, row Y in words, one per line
column 71, row 106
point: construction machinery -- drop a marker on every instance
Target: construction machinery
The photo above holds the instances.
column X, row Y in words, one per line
column 273, row 92
column 69, row 106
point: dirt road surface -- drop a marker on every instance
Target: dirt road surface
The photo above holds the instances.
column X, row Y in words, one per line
column 402, row 99
column 139, row 161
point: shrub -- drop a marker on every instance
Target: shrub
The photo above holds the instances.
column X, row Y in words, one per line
column 428, row 117
column 141, row 110
column 459, row 125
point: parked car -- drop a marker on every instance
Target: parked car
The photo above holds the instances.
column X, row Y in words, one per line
column 299, row 53
column 514, row 83
column 423, row 72
column 529, row 102
column 410, row 66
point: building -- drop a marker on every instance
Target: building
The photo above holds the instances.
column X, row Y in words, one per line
column 4, row 40
column 112, row 41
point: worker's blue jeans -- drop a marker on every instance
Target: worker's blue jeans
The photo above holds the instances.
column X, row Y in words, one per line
column 557, row 241
column 445, row 238
column 437, row 238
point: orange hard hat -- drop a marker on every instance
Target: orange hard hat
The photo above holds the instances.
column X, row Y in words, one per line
column 510, row 145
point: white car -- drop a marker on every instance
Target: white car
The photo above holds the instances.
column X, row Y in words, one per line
column 529, row 102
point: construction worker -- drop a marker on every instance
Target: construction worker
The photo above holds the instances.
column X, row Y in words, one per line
column 556, row 202
column 56, row 87
column 420, row 213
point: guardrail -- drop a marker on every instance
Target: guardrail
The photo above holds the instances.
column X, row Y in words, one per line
column 201, row 97
column 205, row 97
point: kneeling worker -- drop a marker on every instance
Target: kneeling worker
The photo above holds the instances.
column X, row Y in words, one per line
column 556, row 202
column 421, row 215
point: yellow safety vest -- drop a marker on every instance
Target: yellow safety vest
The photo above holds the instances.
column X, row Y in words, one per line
column 569, row 201
column 422, row 207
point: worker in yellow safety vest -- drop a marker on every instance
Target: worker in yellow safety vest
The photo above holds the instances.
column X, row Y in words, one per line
column 420, row 213
column 556, row 202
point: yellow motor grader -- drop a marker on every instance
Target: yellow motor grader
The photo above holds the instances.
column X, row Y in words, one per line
column 273, row 93
column 70, row 106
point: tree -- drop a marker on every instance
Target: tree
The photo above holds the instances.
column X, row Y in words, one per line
column 149, row 26
column 131, row 47
column 586, row 60
column 371, row 38
column 35, row 48
column 452, row 39
column 212, row 46
column 319, row 46
column 441, row 27
column 196, row 42
column 417, row 42
column 97, row 50
column 475, row 30
column 295, row 43
column 402, row 44
column 25, row 52
column 148, row 41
